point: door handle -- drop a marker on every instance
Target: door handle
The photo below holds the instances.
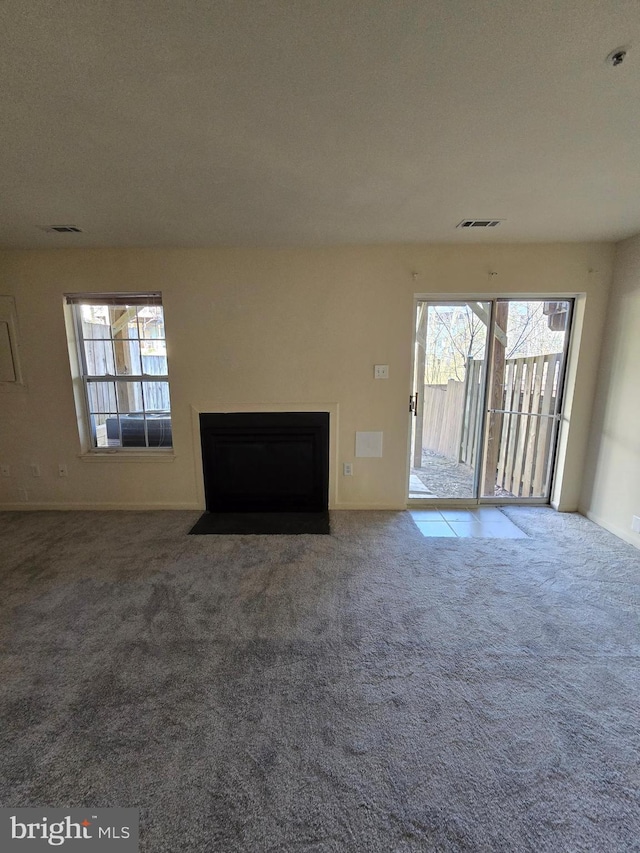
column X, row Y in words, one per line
column 413, row 404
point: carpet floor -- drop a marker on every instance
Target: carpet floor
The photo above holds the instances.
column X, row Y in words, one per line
column 368, row 691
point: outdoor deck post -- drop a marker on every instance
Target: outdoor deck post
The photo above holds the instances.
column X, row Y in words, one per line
column 494, row 423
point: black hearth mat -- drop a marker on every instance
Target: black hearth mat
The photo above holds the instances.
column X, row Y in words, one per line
column 270, row 523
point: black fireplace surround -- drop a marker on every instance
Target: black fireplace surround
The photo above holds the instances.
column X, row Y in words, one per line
column 265, row 462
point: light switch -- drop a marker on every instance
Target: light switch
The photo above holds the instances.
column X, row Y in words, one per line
column 381, row 371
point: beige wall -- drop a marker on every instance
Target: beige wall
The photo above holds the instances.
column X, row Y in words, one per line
column 611, row 490
column 260, row 327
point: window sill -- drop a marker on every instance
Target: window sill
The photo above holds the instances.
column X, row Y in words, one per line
column 128, row 456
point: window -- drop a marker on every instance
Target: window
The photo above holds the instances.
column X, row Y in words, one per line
column 122, row 360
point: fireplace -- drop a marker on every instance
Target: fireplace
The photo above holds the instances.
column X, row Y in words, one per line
column 265, row 462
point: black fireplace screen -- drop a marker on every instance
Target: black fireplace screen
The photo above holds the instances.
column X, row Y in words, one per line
column 266, row 461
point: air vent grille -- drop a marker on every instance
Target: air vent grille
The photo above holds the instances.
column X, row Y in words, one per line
column 479, row 223
column 64, row 229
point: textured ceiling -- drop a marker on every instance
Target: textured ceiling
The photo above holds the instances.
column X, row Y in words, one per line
column 312, row 122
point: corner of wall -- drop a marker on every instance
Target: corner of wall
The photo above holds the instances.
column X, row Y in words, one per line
column 611, row 486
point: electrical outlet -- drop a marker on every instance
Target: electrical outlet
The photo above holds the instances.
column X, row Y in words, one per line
column 23, row 494
column 347, row 469
column 62, row 470
column 635, row 523
column 35, row 470
column 5, row 470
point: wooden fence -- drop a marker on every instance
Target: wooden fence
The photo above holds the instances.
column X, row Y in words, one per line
column 101, row 360
column 452, row 420
column 526, row 428
column 472, row 411
column 443, row 406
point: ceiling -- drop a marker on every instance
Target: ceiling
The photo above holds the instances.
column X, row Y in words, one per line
column 314, row 122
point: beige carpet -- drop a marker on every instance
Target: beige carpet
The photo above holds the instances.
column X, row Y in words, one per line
column 369, row 691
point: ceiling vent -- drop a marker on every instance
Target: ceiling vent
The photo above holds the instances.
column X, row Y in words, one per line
column 479, row 223
column 63, row 229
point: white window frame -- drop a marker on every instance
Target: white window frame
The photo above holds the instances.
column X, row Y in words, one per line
column 74, row 303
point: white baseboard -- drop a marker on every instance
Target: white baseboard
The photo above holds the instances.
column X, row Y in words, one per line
column 627, row 535
column 385, row 507
column 32, row 506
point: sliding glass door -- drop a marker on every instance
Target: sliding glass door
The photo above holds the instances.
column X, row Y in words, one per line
column 450, row 363
column 485, row 406
column 529, row 344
